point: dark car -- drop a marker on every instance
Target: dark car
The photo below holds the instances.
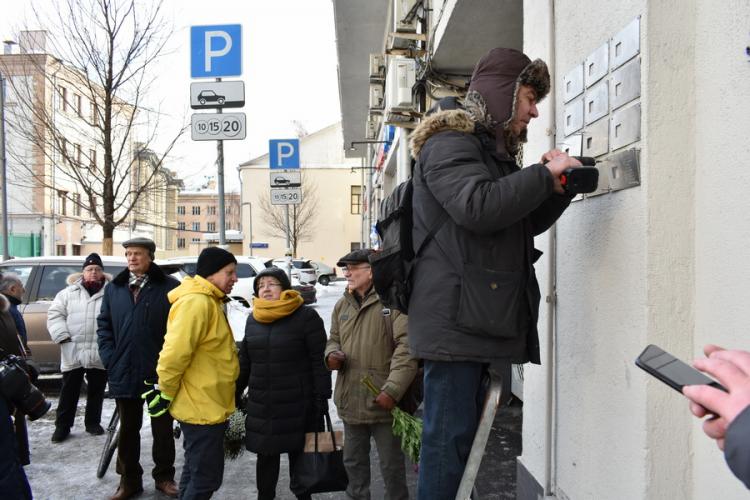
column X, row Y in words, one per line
column 210, row 96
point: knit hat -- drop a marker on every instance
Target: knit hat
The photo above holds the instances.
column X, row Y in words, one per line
column 274, row 272
column 91, row 260
column 213, row 259
column 356, row 257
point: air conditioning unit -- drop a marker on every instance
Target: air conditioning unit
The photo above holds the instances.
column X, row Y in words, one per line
column 401, row 77
column 401, row 10
column 372, row 127
column 376, row 96
column 377, row 66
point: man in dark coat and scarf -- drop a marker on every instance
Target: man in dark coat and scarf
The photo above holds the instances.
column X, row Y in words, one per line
column 475, row 297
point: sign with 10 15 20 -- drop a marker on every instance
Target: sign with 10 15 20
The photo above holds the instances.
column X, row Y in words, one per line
column 286, row 196
column 217, row 126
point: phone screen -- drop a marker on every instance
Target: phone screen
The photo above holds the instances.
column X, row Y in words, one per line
column 671, row 370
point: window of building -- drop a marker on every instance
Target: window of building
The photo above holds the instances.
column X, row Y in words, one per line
column 76, row 249
column 92, row 208
column 211, row 227
column 354, row 246
column 180, row 242
column 92, row 159
column 356, row 200
column 181, row 210
column 77, row 104
column 227, row 226
column 196, row 226
column 78, row 155
column 211, row 210
column 60, row 249
column 181, row 226
column 196, row 210
column 93, row 111
column 76, row 207
column 62, row 209
column 63, row 98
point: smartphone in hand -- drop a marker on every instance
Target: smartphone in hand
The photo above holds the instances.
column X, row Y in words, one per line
column 670, row 370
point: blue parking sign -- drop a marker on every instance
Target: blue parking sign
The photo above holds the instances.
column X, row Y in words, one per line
column 215, row 51
column 283, row 153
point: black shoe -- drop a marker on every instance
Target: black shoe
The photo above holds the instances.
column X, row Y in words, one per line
column 60, row 434
column 96, row 430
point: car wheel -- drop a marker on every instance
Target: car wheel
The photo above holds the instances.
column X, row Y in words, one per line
column 221, row 100
column 324, row 280
column 202, row 101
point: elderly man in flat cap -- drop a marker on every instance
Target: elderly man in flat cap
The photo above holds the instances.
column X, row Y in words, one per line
column 367, row 339
column 132, row 325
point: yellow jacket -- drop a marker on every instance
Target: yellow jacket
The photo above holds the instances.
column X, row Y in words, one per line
column 198, row 364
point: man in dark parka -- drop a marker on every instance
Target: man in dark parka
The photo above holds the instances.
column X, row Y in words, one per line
column 131, row 329
column 475, row 297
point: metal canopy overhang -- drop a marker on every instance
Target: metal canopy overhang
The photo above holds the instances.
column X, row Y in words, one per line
column 360, row 31
column 469, row 28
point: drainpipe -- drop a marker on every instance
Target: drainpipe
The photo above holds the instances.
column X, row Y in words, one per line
column 550, row 416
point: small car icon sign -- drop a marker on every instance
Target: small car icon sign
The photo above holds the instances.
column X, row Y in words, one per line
column 281, row 181
column 210, row 96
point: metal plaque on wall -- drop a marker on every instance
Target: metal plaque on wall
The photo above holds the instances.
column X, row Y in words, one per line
column 573, row 116
column 625, row 127
column 596, row 65
column 596, row 139
column 626, row 84
column 627, row 43
column 573, row 83
column 596, row 102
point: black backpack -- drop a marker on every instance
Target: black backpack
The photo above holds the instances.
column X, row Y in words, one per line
column 392, row 265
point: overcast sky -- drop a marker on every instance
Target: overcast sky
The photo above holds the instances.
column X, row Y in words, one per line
column 289, row 70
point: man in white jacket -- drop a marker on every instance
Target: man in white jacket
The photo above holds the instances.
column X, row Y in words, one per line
column 71, row 321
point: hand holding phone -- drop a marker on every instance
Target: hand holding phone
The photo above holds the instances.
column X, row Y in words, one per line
column 732, row 368
column 670, row 370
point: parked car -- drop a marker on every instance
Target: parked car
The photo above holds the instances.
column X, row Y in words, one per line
column 301, row 269
column 324, row 272
column 247, row 269
column 43, row 277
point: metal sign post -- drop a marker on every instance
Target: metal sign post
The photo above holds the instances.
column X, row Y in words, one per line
column 283, row 160
column 216, row 51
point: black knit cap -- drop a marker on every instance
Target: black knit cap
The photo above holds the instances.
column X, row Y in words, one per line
column 356, row 257
column 213, row 259
column 274, row 272
column 91, row 260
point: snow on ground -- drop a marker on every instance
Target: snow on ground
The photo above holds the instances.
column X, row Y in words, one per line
column 68, row 470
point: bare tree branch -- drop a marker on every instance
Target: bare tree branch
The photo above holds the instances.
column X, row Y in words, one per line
column 301, row 217
column 103, row 52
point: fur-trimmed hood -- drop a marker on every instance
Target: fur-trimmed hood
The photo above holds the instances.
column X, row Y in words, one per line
column 451, row 119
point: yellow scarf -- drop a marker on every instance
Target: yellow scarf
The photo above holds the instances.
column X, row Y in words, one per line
column 268, row 311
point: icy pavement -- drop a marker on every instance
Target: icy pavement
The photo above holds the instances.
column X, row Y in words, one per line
column 67, row 470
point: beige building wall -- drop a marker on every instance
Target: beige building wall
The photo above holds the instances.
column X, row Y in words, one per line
column 337, row 221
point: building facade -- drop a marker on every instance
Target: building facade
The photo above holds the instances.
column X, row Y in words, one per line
column 658, row 93
column 197, row 219
column 332, row 197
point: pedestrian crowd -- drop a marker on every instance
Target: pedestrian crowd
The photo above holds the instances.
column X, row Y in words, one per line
column 474, row 302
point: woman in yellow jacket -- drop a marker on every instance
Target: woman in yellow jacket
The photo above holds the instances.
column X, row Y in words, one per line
column 197, row 370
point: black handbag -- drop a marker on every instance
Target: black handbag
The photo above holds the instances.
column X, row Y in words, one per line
column 319, row 471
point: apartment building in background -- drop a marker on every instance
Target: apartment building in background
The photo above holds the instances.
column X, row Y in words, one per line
column 197, row 217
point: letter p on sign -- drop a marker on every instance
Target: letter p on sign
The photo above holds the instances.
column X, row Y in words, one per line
column 215, row 51
column 283, row 153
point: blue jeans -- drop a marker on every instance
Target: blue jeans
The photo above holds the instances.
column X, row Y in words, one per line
column 453, row 399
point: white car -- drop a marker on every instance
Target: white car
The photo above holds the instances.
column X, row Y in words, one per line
column 247, row 269
column 324, row 272
column 301, row 269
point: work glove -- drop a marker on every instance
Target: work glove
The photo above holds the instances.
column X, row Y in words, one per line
column 157, row 403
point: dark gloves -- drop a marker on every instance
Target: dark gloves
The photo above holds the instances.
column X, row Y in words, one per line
column 157, row 403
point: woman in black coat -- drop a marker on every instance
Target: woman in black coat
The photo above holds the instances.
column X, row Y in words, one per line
column 281, row 361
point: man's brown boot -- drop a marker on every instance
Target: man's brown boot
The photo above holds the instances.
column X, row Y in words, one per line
column 168, row 487
column 125, row 491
